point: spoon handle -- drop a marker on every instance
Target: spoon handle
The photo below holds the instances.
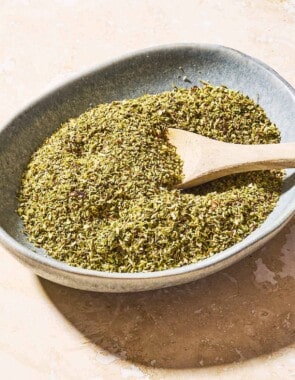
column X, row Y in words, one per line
column 262, row 157
column 230, row 158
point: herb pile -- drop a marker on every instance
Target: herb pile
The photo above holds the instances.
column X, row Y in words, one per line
column 98, row 194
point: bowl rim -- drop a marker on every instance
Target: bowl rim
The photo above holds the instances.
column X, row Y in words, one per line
column 11, row 244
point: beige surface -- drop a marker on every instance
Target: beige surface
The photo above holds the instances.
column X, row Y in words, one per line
column 237, row 324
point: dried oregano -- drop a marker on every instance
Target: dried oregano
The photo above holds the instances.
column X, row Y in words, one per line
column 99, row 193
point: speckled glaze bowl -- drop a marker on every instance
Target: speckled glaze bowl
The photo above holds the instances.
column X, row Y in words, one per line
column 149, row 71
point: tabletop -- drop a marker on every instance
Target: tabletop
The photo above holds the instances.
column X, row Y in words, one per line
column 236, row 324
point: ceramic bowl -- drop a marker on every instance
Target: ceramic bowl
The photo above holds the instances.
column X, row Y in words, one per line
column 149, row 71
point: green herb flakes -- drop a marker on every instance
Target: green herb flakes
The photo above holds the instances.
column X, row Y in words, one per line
column 99, row 193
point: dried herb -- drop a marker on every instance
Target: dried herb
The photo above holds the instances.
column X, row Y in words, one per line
column 99, row 193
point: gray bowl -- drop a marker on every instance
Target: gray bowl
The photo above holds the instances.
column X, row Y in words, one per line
column 148, row 71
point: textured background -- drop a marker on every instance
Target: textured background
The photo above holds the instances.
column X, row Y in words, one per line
column 237, row 324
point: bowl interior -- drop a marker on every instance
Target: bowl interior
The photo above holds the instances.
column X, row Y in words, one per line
column 151, row 71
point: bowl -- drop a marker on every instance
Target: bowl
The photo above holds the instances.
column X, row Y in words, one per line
column 148, row 71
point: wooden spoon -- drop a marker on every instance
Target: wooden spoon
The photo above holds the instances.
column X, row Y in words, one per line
column 206, row 159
